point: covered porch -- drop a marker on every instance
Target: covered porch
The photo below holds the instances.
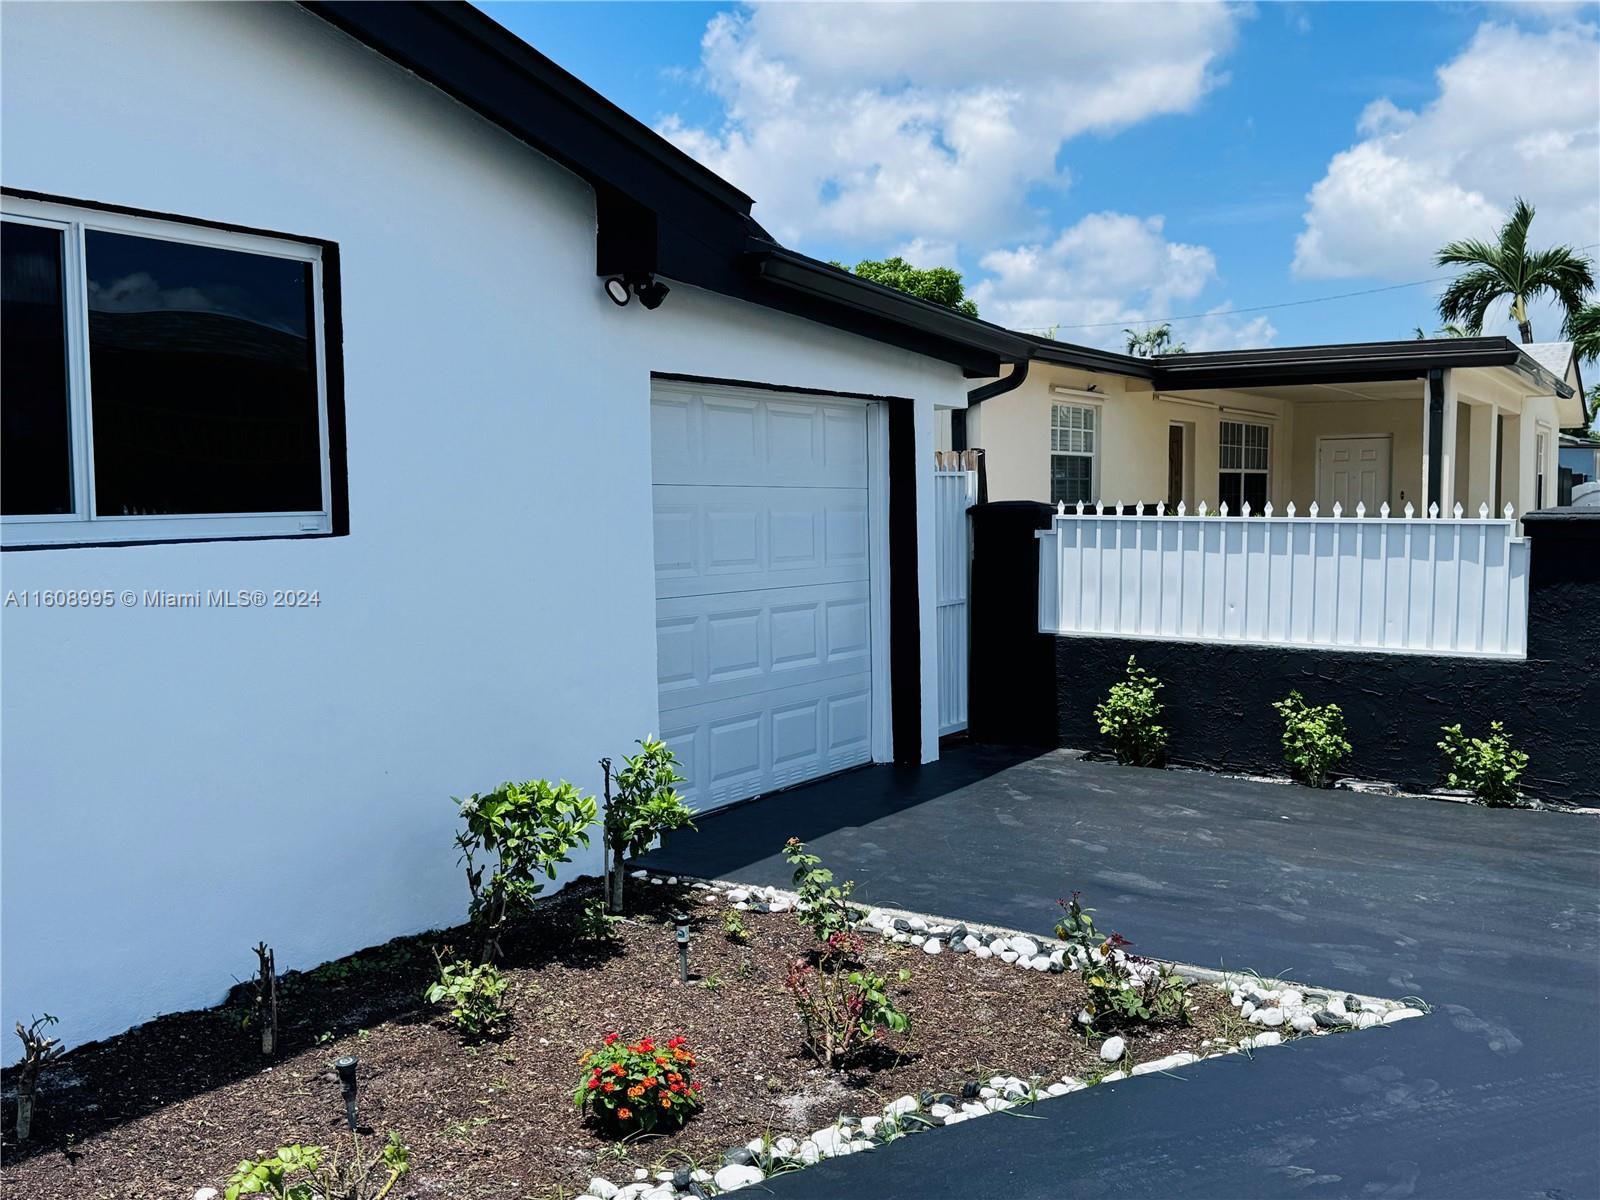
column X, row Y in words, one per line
column 1242, row 428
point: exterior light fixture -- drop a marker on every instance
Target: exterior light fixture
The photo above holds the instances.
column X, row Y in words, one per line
column 651, row 293
column 650, row 290
column 681, row 920
column 346, row 1067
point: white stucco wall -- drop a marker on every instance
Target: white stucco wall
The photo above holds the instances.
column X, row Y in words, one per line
column 179, row 784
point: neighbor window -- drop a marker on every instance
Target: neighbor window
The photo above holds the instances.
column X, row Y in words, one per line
column 162, row 380
column 1244, row 454
column 1073, row 443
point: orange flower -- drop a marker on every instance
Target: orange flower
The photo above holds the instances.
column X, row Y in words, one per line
column 666, row 1103
column 624, row 1113
column 608, row 1086
column 650, row 1081
column 617, row 1069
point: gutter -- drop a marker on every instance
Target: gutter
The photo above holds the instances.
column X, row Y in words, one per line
column 999, row 387
column 987, row 391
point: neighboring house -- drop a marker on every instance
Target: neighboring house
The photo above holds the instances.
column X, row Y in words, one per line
column 1468, row 420
column 1579, row 471
column 310, row 304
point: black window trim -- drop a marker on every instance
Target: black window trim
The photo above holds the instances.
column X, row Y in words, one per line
column 330, row 334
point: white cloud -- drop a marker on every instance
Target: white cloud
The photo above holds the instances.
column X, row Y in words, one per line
column 1518, row 113
column 931, row 124
column 1107, row 271
column 923, row 252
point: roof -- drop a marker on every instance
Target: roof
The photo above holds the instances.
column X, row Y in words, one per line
column 1350, row 362
column 1345, row 362
column 659, row 211
column 1555, row 357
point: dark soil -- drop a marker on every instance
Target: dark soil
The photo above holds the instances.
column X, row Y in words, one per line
column 174, row 1104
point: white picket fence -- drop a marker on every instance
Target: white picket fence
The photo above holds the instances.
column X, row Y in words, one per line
column 1436, row 585
column 953, row 493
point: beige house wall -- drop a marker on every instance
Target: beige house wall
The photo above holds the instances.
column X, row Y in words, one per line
column 1399, row 420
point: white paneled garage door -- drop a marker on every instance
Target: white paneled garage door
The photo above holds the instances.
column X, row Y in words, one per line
column 763, row 599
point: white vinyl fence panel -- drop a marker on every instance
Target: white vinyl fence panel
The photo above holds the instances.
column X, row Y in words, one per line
column 1435, row 585
column 953, row 493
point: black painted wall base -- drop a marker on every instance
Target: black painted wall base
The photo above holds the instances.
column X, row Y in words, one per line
column 1218, row 696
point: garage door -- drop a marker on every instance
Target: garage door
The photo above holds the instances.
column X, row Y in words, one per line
column 763, row 605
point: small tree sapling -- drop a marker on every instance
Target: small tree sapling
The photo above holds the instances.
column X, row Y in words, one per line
column 37, row 1052
column 266, row 984
column 645, row 806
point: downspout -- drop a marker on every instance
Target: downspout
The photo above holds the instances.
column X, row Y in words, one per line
column 1435, row 439
column 958, row 419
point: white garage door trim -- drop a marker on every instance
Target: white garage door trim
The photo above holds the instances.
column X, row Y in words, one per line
column 685, row 692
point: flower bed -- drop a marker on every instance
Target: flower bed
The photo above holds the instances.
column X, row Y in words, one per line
column 173, row 1106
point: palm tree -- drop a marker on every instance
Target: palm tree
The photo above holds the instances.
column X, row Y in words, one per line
column 1446, row 331
column 1153, row 341
column 1583, row 330
column 1507, row 269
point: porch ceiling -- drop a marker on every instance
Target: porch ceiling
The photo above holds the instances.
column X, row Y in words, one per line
column 1312, row 393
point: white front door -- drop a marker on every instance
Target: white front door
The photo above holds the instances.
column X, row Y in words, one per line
column 1352, row 470
column 763, row 596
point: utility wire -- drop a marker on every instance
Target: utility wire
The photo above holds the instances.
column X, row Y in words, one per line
column 1393, row 287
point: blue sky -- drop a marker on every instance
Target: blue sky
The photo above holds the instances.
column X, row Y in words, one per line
column 1098, row 167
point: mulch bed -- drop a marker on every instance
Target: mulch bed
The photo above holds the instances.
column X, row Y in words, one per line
column 174, row 1104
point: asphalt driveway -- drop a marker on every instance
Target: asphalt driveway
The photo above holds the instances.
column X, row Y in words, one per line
column 1491, row 916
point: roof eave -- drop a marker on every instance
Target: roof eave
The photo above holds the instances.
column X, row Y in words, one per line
column 797, row 272
column 1354, row 362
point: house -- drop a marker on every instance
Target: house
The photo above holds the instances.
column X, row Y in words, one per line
column 1472, row 421
column 389, row 415
column 1579, row 470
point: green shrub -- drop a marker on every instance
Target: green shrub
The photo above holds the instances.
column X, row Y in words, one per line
column 1128, row 718
column 527, row 830
column 734, row 927
column 1125, row 990
column 595, row 924
column 1313, row 739
column 316, row 1173
column 1076, row 927
column 476, row 995
column 1487, row 767
column 823, row 908
column 842, row 1006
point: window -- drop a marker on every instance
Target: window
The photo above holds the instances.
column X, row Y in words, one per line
column 1072, row 453
column 162, row 381
column 1244, row 455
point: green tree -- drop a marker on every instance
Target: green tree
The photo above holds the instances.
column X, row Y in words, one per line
column 1153, row 341
column 1506, row 269
column 940, row 285
column 1444, row 331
